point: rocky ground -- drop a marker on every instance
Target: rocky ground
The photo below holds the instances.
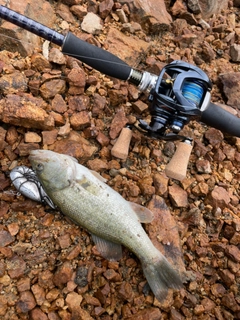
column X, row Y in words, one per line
column 49, row 267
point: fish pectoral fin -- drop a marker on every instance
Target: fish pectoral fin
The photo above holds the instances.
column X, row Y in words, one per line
column 144, row 214
column 98, row 176
column 109, row 250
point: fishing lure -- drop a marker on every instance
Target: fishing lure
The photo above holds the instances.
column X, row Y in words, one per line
column 26, row 182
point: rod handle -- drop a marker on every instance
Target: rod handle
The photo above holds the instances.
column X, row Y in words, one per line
column 177, row 167
column 121, row 146
column 96, row 57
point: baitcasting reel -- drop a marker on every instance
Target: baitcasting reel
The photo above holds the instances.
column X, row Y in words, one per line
column 181, row 94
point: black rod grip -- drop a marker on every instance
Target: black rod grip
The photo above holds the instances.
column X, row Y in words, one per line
column 219, row 118
column 95, row 57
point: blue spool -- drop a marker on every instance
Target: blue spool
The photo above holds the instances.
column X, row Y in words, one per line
column 193, row 91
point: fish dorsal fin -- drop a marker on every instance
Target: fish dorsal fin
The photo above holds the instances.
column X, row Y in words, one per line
column 98, row 176
column 109, row 250
column 144, row 214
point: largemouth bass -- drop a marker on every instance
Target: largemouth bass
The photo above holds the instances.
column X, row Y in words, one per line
column 111, row 220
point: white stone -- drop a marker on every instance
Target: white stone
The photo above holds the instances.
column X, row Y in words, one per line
column 91, row 23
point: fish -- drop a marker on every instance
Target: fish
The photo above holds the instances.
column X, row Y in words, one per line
column 87, row 200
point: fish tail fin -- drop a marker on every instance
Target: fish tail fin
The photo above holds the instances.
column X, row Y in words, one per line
column 161, row 276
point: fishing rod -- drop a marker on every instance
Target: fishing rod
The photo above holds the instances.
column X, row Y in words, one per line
column 179, row 94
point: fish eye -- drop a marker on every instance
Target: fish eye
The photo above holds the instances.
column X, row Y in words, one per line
column 39, row 167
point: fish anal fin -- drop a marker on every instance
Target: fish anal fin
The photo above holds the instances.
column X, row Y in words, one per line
column 144, row 214
column 109, row 250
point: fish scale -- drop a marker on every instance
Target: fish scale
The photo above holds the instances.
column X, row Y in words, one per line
column 112, row 221
column 80, row 212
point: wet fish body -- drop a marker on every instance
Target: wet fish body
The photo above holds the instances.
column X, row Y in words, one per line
column 112, row 221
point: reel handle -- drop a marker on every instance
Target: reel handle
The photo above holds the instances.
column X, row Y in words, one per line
column 177, row 167
column 121, row 147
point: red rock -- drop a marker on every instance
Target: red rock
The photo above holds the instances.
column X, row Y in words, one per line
column 99, row 311
column 80, row 120
column 23, row 284
column 235, row 239
column 133, row 189
column 5, row 238
column 105, row 8
column 64, row 12
column 125, row 291
column 99, row 103
column 233, row 253
column 2, row 268
column 227, row 277
column 112, row 275
column 126, row 48
column 203, row 166
column 39, row 293
column 39, row 62
column 147, row 314
column 63, row 275
column 74, row 253
column 218, row 289
column 102, row 139
column 52, row 294
column 97, row 165
column 78, row 103
column 139, row 106
column 3, row 305
column 38, row 314
column 13, row 228
column 117, row 96
column 90, row 300
column 26, row 302
column 231, row 83
column 214, row 136
column 25, row 148
column 80, row 149
column 79, row 11
column 52, row 87
column 77, row 81
column 49, row 137
column 146, row 186
column 219, row 197
column 2, row 138
column 13, row 82
column 230, row 302
column 160, row 182
column 25, row 111
column 64, row 241
column 27, row 41
column 58, row 104
column 198, row 310
column 208, row 304
column 4, row 206
column 118, row 122
column 32, row 137
column 178, row 196
column 56, row 56
column 73, row 300
column 164, row 234
column 45, row 279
